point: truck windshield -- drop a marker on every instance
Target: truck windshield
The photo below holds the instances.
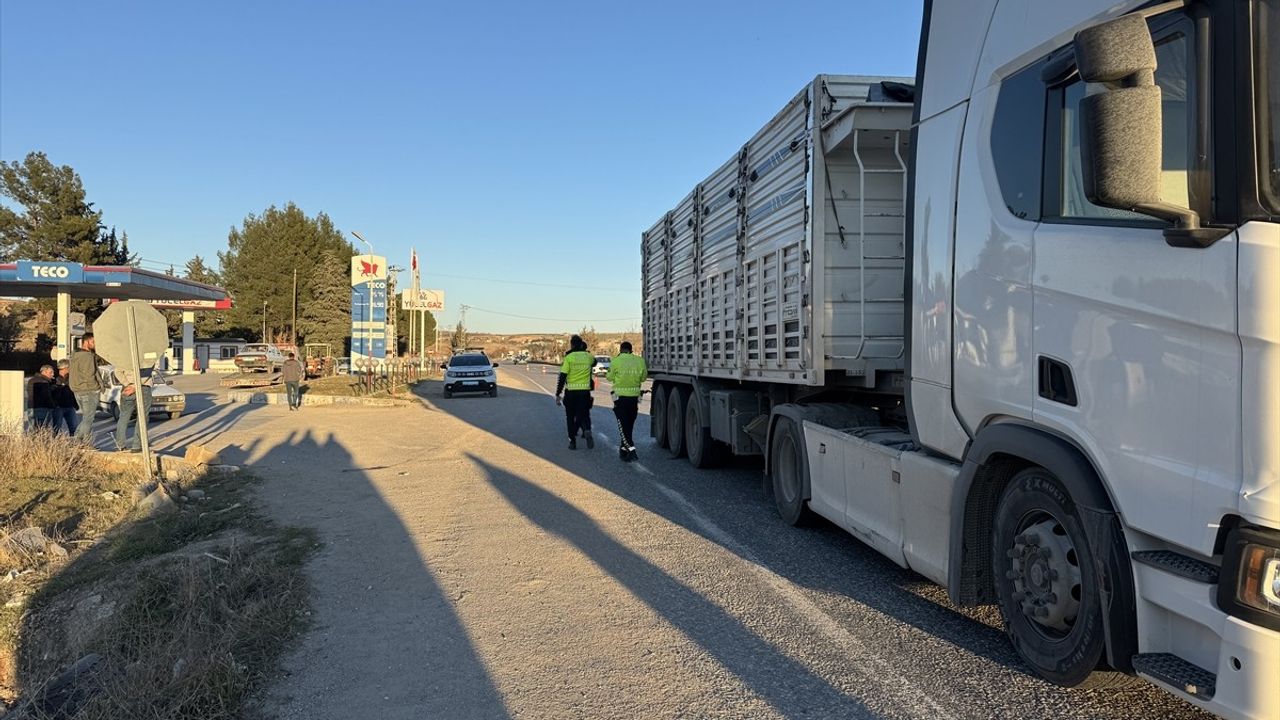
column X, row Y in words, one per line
column 1268, row 43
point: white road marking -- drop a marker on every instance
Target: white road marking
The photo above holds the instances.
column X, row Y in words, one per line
column 858, row 652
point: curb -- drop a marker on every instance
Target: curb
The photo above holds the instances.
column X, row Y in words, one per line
column 263, row 398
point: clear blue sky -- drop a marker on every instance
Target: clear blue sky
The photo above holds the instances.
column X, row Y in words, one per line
column 517, row 141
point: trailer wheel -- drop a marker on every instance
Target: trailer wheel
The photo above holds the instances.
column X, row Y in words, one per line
column 704, row 451
column 1042, row 565
column 787, row 469
column 658, row 414
column 677, row 398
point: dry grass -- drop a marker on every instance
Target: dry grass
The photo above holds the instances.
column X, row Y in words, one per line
column 189, row 610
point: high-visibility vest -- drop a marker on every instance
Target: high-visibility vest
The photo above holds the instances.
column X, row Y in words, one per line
column 627, row 372
column 577, row 369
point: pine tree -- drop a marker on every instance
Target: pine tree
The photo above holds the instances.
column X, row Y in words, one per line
column 259, row 262
column 53, row 221
column 326, row 317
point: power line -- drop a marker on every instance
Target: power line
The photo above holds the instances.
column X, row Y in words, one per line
column 530, row 317
column 535, row 284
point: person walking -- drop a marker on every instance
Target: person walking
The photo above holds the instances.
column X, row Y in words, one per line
column 40, row 397
column 292, row 373
column 130, row 404
column 627, row 372
column 575, row 383
column 65, row 414
column 86, row 383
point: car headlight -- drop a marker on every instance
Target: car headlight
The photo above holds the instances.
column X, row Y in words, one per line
column 1250, row 584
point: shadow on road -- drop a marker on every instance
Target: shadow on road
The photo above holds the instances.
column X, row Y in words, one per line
column 732, row 499
column 771, row 674
column 392, row 649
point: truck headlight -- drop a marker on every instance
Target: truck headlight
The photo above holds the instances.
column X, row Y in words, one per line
column 1250, row 584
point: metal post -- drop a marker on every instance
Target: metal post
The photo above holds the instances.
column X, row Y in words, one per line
column 63, row 349
column 139, row 405
column 188, row 341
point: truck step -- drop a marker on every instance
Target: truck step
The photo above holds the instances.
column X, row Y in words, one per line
column 1179, row 564
column 1177, row 673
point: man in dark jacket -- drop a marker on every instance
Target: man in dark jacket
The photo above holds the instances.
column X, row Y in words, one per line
column 65, row 414
column 40, row 397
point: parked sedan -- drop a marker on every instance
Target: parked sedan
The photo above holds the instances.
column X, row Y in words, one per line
column 165, row 398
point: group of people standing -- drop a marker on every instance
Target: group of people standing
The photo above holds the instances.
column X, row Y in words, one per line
column 627, row 372
column 65, row 398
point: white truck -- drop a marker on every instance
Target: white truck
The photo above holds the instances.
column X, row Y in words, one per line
column 1015, row 324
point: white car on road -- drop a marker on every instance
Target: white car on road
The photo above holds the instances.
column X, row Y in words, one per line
column 165, row 398
column 602, row 365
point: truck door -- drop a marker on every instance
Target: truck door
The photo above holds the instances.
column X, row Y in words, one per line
column 1135, row 343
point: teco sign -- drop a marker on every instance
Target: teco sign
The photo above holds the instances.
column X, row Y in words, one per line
column 50, row 272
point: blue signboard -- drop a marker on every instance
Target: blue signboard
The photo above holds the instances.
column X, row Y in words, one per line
column 368, row 307
column 50, row 273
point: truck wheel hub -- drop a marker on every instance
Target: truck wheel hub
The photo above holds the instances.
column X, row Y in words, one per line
column 1045, row 571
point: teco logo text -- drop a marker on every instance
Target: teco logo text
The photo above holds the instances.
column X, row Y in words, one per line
column 50, row 271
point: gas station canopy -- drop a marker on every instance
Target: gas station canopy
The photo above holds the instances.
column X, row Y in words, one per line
column 67, row 280
column 34, row 278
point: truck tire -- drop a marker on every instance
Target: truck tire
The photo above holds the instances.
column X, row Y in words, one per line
column 704, row 451
column 114, row 409
column 658, row 414
column 1048, row 593
column 788, row 471
column 175, row 415
column 677, row 398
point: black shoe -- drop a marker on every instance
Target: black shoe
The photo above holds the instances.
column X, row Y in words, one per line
column 573, row 443
column 624, row 455
column 591, row 442
column 634, row 455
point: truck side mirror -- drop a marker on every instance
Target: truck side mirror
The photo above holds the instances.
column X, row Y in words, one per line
column 1120, row 128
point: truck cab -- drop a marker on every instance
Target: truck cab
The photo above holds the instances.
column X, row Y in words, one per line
column 1114, row 337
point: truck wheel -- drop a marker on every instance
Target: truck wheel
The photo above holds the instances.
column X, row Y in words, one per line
column 704, row 451
column 658, row 414
column 114, row 409
column 175, row 415
column 1043, row 570
column 788, row 471
column 677, row 398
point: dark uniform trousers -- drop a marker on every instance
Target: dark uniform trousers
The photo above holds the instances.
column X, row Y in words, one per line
column 577, row 411
column 626, row 409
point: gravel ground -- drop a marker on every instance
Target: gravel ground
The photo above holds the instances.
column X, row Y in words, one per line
column 474, row 567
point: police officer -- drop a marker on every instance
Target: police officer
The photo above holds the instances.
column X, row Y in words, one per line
column 627, row 372
column 575, row 383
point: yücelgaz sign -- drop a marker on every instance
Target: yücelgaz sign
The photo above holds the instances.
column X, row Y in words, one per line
column 50, row 272
column 368, row 306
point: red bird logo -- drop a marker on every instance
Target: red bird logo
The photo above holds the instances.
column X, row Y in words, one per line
column 368, row 269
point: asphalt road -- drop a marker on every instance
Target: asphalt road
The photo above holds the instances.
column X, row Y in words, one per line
column 474, row 567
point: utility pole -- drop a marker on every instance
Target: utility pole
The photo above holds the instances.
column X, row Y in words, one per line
column 293, row 329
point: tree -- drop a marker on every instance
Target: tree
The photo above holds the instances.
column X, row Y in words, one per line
column 326, row 317
column 209, row 324
column 405, row 318
column 459, row 339
column 590, row 337
column 52, row 219
column 258, row 267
